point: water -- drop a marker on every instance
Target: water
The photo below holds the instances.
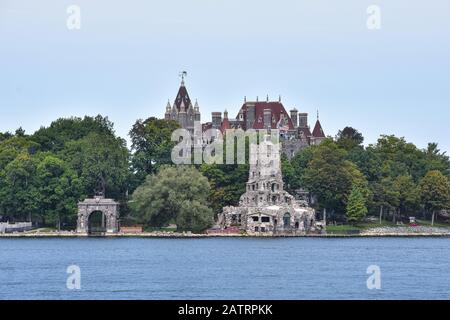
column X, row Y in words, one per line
column 225, row 268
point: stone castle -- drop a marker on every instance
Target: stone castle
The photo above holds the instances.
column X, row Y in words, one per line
column 295, row 132
column 265, row 208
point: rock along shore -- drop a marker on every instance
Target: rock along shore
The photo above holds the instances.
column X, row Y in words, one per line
column 369, row 233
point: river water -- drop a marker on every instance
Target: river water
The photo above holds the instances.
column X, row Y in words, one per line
column 225, row 268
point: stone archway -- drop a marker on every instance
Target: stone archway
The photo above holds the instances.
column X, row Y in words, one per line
column 108, row 207
column 287, row 220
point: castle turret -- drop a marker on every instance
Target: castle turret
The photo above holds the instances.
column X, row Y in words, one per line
column 196, row 111
column 168, row 110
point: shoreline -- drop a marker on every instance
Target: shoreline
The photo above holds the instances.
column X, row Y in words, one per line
column 204, row 236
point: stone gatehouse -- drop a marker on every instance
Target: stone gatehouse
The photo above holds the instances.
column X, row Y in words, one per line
column 109, row 210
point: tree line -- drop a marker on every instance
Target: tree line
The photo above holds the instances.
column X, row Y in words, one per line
column 44, row 175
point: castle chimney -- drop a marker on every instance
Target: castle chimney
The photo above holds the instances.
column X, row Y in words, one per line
column 303, row 120
column 294, row 117
column 216, row 119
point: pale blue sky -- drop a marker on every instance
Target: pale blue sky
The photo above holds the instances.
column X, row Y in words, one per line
column 124, row 62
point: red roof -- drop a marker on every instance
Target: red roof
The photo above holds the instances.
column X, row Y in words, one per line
column 225, row 125
column 306, row 131
column 182, row 96
column 277, row 109
column 318, row 131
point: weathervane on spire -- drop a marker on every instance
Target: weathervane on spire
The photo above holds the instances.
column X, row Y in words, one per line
column 182, row 75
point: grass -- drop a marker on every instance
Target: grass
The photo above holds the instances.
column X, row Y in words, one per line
column 427, row 223
column 154, row 229
column 349, row 229
column 42, row 230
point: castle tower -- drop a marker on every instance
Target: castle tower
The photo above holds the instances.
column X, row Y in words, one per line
column 196, row 112
column 265, row 208
column 318, row 134
column 168, row 111
column 265, row 182
column 182, row 109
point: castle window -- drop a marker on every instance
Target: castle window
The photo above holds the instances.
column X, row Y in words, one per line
column 263, row 229
column 265, row 219
column 256, row 229
column 255, row 219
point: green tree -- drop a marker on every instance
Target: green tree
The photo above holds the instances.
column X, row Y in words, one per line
column 356, row 206
column 435, row 192
column 19, row 196
column 194, row 216
column 151, row 145
column 408, row 194
column 175, row 194
column 330, row 177
column 385, row 196
column 59, row 191
column 64, row 130
column 437, row 160
column 102, row 164
column 349, row 138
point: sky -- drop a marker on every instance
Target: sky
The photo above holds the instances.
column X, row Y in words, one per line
column 125, row 59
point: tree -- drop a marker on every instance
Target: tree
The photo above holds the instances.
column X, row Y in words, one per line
column 59, row 190
column 55, row 137
column 330, row 177
column 5, row 135
column 102, row 164
column 349, row 138
column 193, row 216
column 408, row 194
column 437, row 160
column 435, row 192
column 174, row 194
column 227, row 183
column 19, row 196
column 385, row 196
column 151, row 145
column 356, row 206
column 399, row 158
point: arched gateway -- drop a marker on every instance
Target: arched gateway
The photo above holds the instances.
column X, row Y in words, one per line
column 108, row 207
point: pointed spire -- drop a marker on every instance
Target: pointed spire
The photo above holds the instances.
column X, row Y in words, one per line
column 196, row 107
column 168, row 106
column 318, row 130
column 225, row 114
column 267, row 98
column 245, row 98
column 279, row 98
